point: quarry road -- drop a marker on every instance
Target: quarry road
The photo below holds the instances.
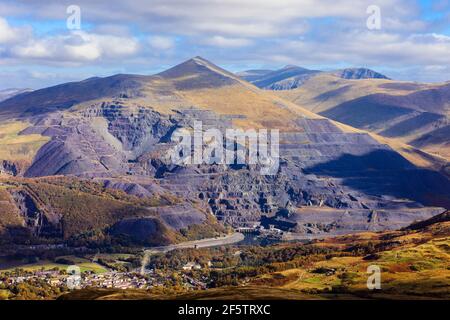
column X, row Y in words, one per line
column 203, row 243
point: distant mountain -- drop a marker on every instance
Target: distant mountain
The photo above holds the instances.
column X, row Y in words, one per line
column 291, row 77
column 286, row 78
column 8, row 93
column 359, row 73
column 251, row 75
column 66, row 95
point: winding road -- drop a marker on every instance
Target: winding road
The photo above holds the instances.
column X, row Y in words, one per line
column 203, row 243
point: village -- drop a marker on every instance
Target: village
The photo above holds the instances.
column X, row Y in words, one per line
column 72, row 278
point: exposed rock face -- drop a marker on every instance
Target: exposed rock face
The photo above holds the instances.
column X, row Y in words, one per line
column 36, row 219
column 359, row 73
column 75, row 147
column 10, row 168
column 109, row 139
column 321, row 167
column 317, row 221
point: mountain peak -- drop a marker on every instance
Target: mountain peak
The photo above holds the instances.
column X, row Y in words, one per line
column 291, row 66
column 359, row 73
column 199, row 59
column 288, row 77
column 207, row 73
column 195, row 60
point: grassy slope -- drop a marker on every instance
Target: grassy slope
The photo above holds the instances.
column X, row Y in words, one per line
column 322, row 93
column 48, row 265
column 417, row 265
column 17, row 147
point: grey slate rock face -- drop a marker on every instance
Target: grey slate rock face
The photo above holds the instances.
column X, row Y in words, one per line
column 321, row 167
column 348, row 221
column 37, row 221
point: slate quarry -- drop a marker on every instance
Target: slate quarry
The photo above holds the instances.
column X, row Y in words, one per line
column 369, row 186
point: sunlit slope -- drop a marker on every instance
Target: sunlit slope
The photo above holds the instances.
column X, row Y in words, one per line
column 195, row 82
column 14, row 146
column 414, row 113
column 199, row 83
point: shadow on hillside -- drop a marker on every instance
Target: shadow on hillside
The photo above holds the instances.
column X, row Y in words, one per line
column 365, row 111
column 385, row 172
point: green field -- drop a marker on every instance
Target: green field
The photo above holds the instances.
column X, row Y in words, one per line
column 85, row 265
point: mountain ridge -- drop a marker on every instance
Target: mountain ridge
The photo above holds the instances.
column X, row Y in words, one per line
column 291, row 76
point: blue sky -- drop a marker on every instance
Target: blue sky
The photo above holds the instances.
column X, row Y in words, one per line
column 146, row 36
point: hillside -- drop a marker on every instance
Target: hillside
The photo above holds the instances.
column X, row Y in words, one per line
column 359, row 73
column 11, row 92
column 288, row 77
column 117, row 131
column 415, row 114
column 53, row 210
column 64, row 96
column 291, row 77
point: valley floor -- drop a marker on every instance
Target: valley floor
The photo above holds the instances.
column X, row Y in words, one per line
column 414, row 263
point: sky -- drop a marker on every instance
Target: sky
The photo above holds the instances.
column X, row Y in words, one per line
column 43, row 43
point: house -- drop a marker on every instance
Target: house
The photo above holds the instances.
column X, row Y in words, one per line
column 191, row 265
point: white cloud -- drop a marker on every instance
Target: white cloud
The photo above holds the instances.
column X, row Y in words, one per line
column 232, row 18
column 223, row 42
column 74, row 47
column 304, row 32
column 9, row 34
column 365, row 47
column 161, row 43
column 33, row 49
